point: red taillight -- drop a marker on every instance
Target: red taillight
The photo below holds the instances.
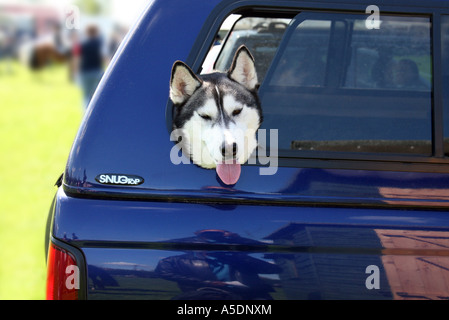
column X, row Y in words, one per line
column 62, row 275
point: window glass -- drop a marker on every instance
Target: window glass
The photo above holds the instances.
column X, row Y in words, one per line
column 395, row 57
column 335, row 85
column 445, row 71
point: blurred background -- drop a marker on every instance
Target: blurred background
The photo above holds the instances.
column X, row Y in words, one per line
column 49, row 66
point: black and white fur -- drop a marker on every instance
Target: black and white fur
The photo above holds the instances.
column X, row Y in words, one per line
column 219, row 113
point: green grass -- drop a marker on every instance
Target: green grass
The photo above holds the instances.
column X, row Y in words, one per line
column 40, row 114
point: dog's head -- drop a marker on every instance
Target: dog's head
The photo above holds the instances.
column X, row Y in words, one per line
column 216, row 116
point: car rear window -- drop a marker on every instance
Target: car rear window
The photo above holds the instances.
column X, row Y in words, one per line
column 330, row 83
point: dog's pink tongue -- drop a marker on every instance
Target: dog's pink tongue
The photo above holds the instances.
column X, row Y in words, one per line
column 229, row 173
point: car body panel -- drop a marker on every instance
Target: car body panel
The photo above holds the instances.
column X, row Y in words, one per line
column 128, row 246
column 315, row 229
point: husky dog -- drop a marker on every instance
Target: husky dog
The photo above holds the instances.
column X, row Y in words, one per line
column 216, row 116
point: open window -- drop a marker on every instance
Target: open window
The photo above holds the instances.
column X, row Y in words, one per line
column 261, row 35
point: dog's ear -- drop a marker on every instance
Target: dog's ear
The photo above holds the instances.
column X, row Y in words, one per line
column 183, row 82
column 243, row 69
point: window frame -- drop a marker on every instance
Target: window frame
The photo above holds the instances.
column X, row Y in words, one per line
column 436, row 162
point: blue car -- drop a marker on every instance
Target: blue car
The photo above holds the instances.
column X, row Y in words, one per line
column 348, row 197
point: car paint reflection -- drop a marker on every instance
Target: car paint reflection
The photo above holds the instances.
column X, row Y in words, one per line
column 297, row 264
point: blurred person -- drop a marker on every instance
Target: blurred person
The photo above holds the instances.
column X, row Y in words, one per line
column 73, row 55
column 60, row 42
column 88, row 60
column 406, row 75
column 6, row 48
column 116, row 38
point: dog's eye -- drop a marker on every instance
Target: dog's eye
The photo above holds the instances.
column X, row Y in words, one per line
column 205, row 117
column 236, row 112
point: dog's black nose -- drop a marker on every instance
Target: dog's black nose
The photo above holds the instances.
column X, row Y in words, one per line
column 228, row 150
